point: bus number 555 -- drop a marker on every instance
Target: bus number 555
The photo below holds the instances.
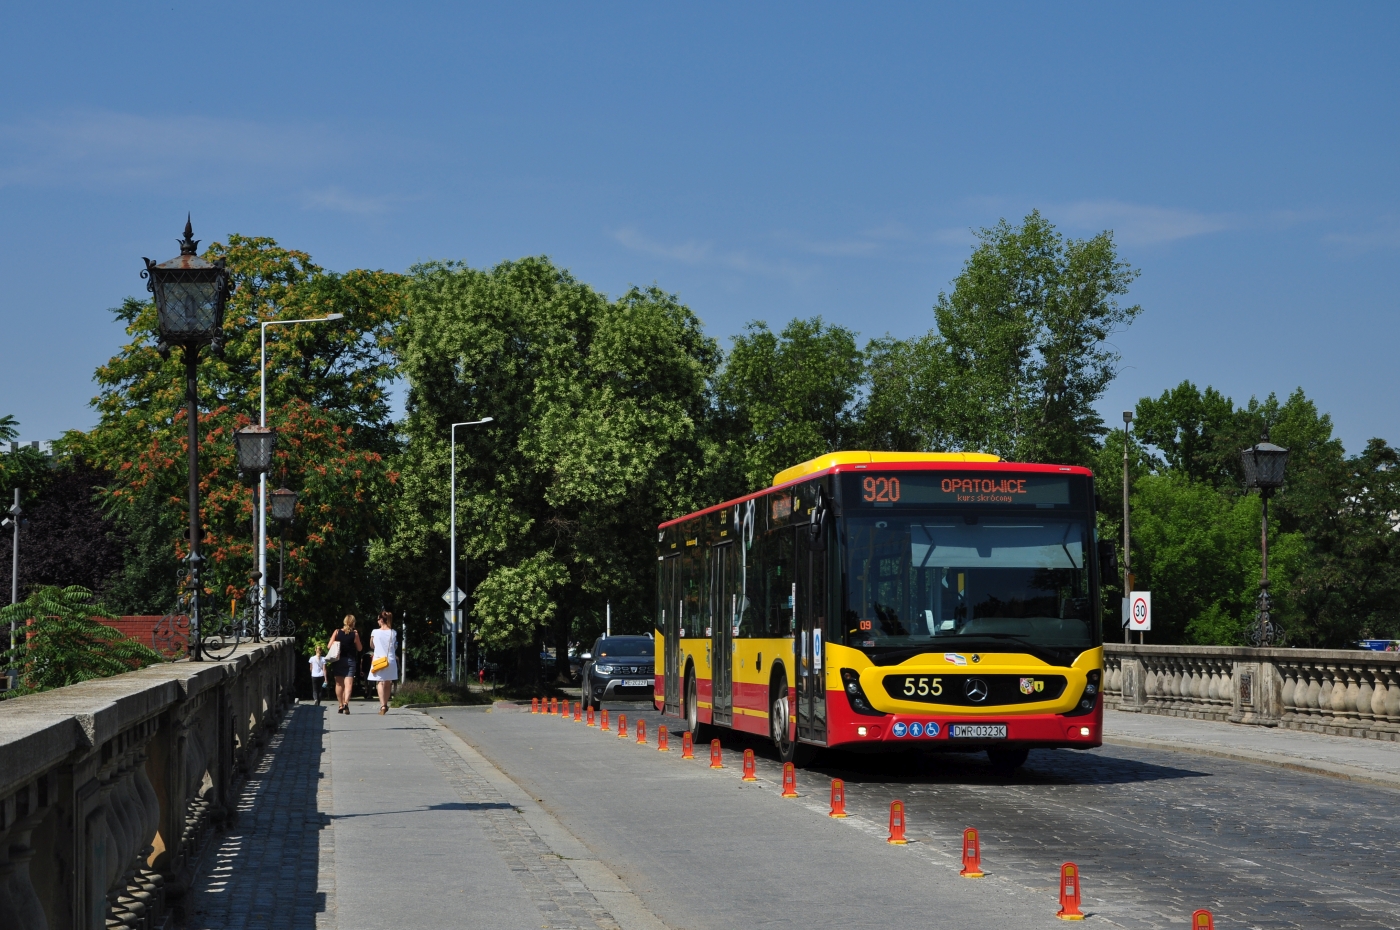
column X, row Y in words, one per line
column 922, row 686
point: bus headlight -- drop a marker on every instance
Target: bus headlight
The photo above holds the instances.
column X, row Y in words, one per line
column 855, row 694
column 1089, row 698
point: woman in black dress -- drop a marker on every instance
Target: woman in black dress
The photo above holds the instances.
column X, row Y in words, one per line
column 343, row 668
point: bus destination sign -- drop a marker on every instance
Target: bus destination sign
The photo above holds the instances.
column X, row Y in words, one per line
column 933, row 489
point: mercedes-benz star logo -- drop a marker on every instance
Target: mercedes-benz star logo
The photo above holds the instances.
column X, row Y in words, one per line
column 976, row 690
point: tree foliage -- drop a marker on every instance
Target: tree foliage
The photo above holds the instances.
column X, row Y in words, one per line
column 62, row 644
column 598, row 408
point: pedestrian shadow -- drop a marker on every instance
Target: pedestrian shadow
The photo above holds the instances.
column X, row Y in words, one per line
column 449, row 806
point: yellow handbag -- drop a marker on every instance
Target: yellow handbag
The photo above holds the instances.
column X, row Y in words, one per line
column 379, row 664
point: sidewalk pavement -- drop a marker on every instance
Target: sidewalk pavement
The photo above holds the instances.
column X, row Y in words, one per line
column 1375, row 762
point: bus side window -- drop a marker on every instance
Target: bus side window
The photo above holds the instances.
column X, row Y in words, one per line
column 750, row 588
column 779, row 576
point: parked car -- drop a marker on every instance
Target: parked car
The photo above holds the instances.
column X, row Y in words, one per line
column 619, row 667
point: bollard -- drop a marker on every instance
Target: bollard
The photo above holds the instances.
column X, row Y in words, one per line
column 661, row 739
column 534, row 705
column 716, row 758
column 748, row 767
column 641, row 732
column 897, row 824
column 972, row 854
column 578, row 712
column 1202, row 920
column 789, row 780
column 604, row 727
column 838, row 798
column 621, row 726
column 1069, row 893
column 687, row 746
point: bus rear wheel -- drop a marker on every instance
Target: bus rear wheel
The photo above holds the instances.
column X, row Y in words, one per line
column 690, row 709
column 1008, row 759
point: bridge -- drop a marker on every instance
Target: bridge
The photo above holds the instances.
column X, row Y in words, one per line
column 1260, row 784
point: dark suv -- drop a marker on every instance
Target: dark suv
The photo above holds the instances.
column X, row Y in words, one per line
column 619, row 667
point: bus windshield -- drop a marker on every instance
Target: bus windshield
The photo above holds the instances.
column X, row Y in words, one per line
column 967, row 581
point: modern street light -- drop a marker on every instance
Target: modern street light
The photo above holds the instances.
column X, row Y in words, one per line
column 254, row 446
column 284, row 511
column 16, row 520
column 262, row 421
column 1264, row 464
column 190, row 295
column 456, row 605
column 1127, row 532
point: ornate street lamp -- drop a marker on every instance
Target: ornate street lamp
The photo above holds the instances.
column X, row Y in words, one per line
column 1264, row 463
column 190, row 295
column 284, row 511
column 254, row 446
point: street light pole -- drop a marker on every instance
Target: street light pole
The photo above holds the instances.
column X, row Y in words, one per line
column 1264, row 465
column 455, row 605
column 1127, row 531
column 262, row 421
column 16, row 515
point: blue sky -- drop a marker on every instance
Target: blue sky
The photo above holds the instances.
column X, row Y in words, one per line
column 761, row 161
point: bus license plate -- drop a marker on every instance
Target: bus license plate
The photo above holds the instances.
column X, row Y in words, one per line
column 647, row 683
column 977, row 731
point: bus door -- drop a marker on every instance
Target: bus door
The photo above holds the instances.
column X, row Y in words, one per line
column 670, row 585
column 721, row 621
column 811, row 634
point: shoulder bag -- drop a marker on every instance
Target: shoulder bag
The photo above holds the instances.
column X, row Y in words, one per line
column 333, row 653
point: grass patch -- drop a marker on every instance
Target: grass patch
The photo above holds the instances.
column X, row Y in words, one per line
column 437, row 691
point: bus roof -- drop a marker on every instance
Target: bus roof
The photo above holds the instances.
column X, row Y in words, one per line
column 840, row 461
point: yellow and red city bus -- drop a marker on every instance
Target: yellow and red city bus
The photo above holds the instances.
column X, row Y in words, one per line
column 879, row 600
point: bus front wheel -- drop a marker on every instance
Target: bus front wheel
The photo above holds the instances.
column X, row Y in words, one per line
column 691, row 710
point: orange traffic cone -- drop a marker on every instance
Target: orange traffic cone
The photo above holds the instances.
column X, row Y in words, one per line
column 590, row 715
column 897, row 824
column 621, row 726
column 789, row 780
column 687, row 746
column 605, row 720
column 1202, row 920
column 972, row 854
column 661, row 739
column 534, row 705
column 838, row 798
column 716, row 757
column 748, row 767
column 564, row 709
column 553, row 705
column 578, row 712
column 641, row 732
column 1069, row 893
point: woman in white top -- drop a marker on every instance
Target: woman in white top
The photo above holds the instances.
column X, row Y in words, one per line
column 385, row 643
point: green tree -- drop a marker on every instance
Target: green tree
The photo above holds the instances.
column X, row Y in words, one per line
column 63, row 643
column 788, row 397
column 599, row 410
column 1020, row 355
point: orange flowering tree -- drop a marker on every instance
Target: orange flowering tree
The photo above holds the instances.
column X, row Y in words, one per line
column 327, row 397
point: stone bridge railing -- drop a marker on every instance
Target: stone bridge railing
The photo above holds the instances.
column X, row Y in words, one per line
column 109, row 788
column 1340, row 691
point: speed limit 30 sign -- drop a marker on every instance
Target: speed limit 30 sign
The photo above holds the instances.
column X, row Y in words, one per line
column 1140, row 610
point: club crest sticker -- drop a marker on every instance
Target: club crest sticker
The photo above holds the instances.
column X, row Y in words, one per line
column 1031, row 686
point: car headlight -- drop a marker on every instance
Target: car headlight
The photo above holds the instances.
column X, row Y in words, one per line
column 603, row 669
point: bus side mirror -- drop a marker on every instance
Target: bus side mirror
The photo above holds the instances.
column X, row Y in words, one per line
column 1108, row 558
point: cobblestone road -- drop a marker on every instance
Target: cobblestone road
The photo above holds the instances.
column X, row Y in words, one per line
column 1156, row 833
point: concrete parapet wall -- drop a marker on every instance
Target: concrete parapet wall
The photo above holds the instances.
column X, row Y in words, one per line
column 107, row 787
column 1338, row 691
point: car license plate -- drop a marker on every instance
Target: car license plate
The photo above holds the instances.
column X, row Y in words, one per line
column 977, row 731
column 647, row 683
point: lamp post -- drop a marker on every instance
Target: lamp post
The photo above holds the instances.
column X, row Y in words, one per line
column 456, row 606
column 284, row 511
column 262, row 421
column 255, row 445
column 15, row 520
column 190, row 295
column 1127, row 531
column 1264, row 464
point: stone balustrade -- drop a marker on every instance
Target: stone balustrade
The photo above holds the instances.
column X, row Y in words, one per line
column 109, row 788
column 1339, row 691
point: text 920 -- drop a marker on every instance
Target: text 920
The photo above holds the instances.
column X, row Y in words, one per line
column 883, row 490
